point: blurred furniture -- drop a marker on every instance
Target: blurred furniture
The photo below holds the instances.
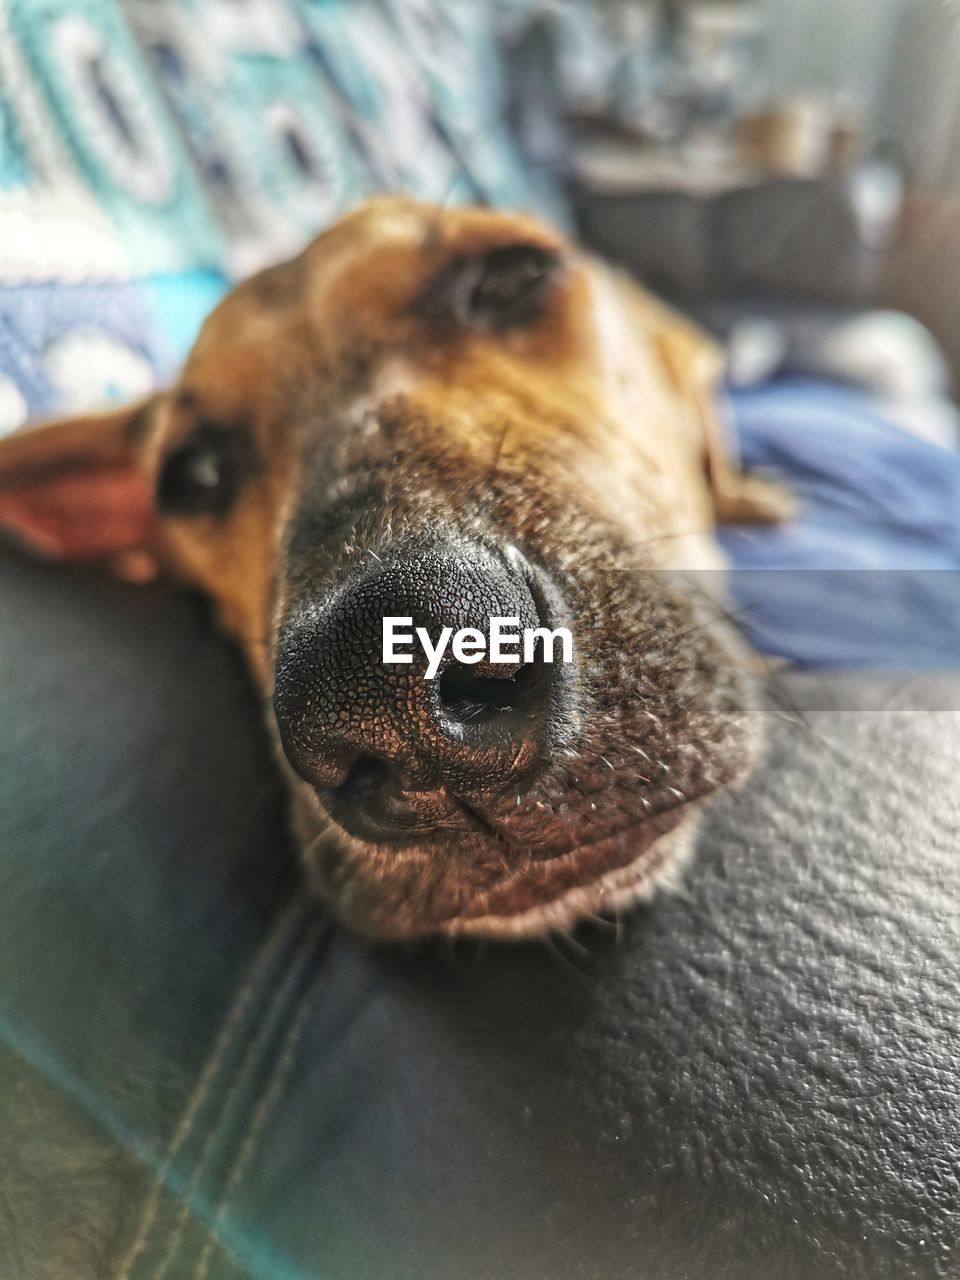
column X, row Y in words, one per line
column 153, row 151
column 715, row 228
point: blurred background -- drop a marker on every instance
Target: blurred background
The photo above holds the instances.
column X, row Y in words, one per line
column 153, row 150
column 788, row 171
column 790, row 148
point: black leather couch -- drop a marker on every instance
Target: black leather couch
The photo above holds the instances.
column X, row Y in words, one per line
column 200, row 1077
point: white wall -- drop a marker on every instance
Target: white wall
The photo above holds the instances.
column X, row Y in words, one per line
column 923, row 112
column 834, row 45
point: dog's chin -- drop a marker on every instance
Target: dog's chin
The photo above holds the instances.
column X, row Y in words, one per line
column 454, row 891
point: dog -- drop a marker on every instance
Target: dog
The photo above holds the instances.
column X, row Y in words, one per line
column 447, row 414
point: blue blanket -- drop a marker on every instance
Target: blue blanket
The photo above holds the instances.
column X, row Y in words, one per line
column 866, row 575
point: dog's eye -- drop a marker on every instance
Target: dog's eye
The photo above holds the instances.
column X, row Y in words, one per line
column 498, row 291
column 202, row 476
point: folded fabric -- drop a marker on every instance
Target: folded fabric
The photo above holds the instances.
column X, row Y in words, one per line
column 868, row 573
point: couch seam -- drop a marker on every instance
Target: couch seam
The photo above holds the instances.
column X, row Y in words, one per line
column 256, row 1051
column 278, row 1077
column 226, row 1037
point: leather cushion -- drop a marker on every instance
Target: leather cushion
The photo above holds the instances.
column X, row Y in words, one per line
column 199, row 1077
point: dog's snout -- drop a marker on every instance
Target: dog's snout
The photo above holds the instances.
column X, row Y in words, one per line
column 385, row 745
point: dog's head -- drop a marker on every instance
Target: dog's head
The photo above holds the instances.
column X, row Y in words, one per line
column 447, row 416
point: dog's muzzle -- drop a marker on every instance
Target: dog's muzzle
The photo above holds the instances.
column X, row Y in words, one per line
column 394, row 756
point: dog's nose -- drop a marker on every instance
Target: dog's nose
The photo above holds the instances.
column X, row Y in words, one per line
column 380, row 741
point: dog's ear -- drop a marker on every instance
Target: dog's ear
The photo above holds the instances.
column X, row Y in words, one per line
column 695, row 366
column 78, row 489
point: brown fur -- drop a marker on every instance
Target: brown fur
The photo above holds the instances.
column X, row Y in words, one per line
column 585, row 437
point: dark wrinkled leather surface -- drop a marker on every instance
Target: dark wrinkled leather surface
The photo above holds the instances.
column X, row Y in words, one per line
column 760, row 1078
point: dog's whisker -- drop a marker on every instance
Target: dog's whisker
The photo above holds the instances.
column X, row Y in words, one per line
column 498, row 453
column 568, row 939
column 598, row 921
column 551, row 945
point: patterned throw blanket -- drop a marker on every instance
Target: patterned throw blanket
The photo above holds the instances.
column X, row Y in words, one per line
column 152, row 151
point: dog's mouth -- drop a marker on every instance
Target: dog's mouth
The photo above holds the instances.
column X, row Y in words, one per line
column 590, row 837
column 373, row 807
column 466, row 875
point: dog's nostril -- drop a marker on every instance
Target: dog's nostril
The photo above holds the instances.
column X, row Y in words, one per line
column 366, row 780
column 469, row 698
column 371, row 803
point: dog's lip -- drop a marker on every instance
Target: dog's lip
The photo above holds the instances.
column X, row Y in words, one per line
column 614, row 888
column 428, row 839
column 549, row 894
column 648, row 831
